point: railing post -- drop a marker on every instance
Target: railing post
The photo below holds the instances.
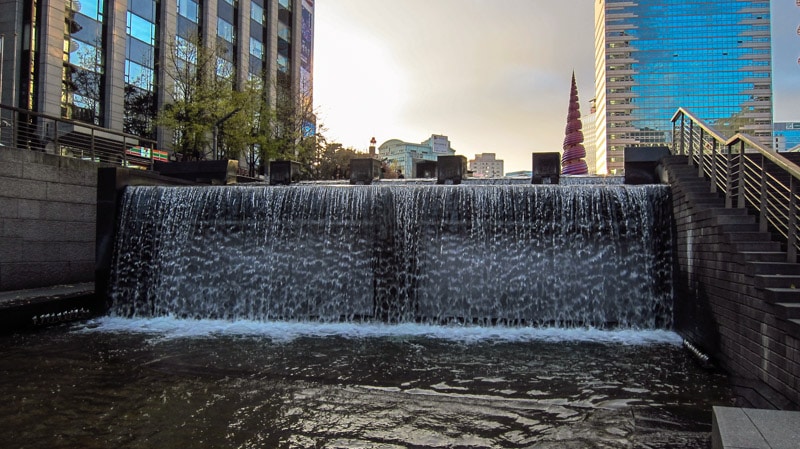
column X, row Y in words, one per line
column 14, row 129
column 791, row 231
column 701, row 154
column 729, row 180
column 740, row 196
column 714, row 171
column 674, row 137
column 683, row 138
column 57, row 145
column 691, row 141
column 762, row 200
column 91, row 147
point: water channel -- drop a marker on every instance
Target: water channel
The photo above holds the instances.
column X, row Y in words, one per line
column 166, row 383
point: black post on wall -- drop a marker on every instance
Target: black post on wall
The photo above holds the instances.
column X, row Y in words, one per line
column 545, row 168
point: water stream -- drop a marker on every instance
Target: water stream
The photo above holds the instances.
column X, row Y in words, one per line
column 577, row 255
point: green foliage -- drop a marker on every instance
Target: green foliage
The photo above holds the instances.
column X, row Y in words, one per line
column 200, row 86
column 334, row 162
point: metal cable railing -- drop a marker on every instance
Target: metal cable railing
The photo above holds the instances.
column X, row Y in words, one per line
column 749, row 175
column 24, row 129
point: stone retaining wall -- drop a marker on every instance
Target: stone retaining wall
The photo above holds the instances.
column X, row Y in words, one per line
column 47, row 219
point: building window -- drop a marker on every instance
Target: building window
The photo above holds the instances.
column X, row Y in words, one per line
column 225, row 30
column 189, row 9
column 256, row 48
column 257, row 13
column 83, row 62
column 284, row 32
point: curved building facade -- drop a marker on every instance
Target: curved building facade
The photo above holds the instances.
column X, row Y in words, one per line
column 406, row 155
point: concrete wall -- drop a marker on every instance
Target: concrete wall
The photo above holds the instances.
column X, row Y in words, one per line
column 47, row 219
column 732, row 291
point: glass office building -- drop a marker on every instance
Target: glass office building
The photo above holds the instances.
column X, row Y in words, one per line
column 654, row 56
column 102, row 62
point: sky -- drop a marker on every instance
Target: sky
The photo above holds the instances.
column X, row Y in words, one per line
column 492, row 75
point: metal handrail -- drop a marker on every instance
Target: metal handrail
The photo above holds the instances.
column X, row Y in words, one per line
column 748, row 174
column 30, row 130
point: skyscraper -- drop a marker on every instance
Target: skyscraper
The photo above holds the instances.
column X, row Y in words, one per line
column 103, row 62
column 654, row 56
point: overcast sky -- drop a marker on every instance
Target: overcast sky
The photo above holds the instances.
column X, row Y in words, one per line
column 492, row 75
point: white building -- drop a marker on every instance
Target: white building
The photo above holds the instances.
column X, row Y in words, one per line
column 486, row 165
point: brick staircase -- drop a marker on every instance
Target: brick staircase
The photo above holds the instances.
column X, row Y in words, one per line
column 777, row 281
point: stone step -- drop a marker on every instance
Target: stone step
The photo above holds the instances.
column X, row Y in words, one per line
column 767, row 281
column 762, row 256
column 742, row 232
column 784, row 295
column 762, row 246
column 698, row 184
column 747, row 237
column 734, row 219
column 718, row 211
column 795, row 329
column 788, row 310
column 756, row 268
column 708, row 204
column 686, row 173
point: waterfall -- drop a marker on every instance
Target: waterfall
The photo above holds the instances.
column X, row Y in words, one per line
column 543, row 255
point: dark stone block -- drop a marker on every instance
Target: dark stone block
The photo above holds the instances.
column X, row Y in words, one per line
column 546, row 168
column 201, row 172
column 424, row 169
column 451, row 169
column 283, row 173
column 363, row 171
column 641, row 164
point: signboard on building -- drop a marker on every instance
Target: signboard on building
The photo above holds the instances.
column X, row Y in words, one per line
column 148, row 153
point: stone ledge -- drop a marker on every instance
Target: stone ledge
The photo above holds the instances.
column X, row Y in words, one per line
column 742, row 428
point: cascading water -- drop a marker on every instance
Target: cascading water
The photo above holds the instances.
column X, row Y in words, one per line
column 576, row 255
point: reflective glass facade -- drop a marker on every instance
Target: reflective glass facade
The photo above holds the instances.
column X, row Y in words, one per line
column 82, row 79
column 654, row 56
column 257, row 63
column 140, row 58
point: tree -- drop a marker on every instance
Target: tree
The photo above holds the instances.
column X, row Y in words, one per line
column 334, row 161
column 201, row 85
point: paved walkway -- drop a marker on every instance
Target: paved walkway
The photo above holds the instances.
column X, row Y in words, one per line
column 17, row 297
column 747, row 428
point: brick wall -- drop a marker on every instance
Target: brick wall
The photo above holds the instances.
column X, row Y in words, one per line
column 732, row 290
column 47, row 219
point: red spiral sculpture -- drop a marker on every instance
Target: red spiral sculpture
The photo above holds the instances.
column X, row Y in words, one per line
column 572, row 162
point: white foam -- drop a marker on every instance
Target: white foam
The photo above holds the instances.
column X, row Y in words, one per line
column 169, row 328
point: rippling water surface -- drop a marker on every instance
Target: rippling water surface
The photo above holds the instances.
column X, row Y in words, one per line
column 164, row 383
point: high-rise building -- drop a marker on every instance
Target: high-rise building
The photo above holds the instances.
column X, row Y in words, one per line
column 654, row 56
column 590, row 143
column 103, row 62
column 486, row 165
